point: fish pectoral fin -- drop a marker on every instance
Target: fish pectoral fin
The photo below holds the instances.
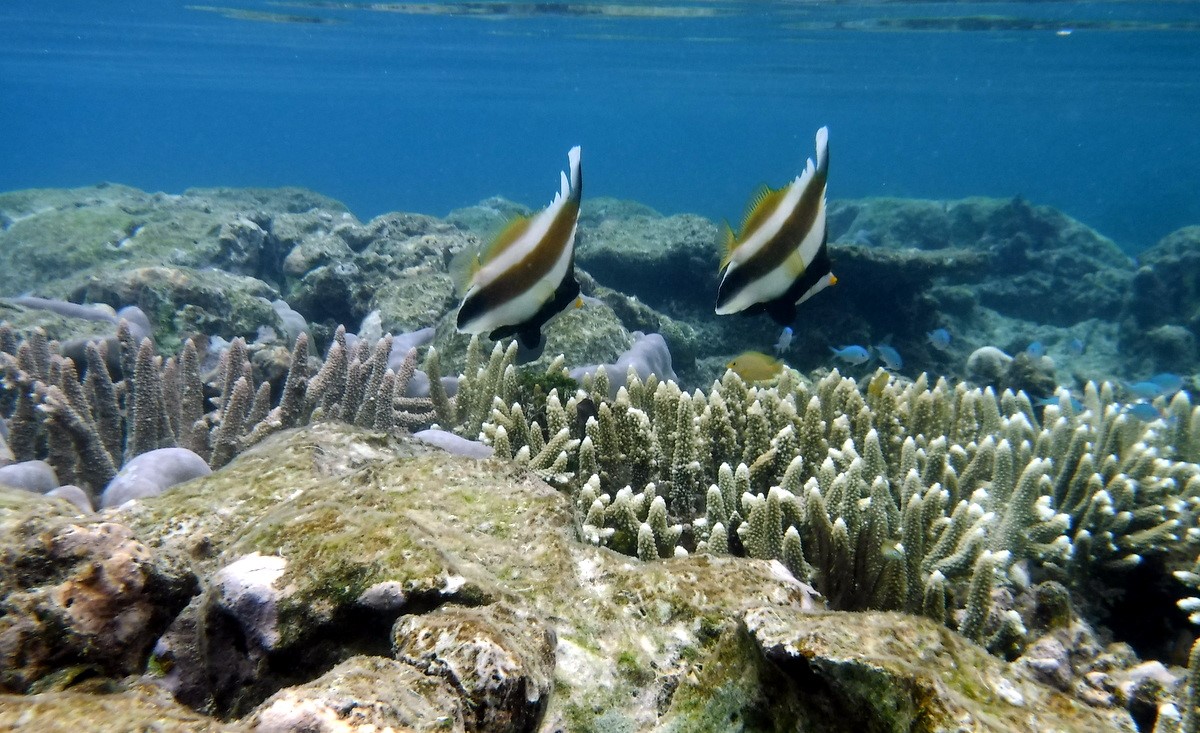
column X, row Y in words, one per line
column 794, row 265
column 727, row 241
column 463, row 267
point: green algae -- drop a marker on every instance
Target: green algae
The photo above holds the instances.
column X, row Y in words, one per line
column 736, row 690
column 640, row 645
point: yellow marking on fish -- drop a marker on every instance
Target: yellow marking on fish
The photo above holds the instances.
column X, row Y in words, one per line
column 794, row 265
column 512, row 231
column 764, row 203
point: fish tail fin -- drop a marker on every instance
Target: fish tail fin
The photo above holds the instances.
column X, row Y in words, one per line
column 575, row 187
column 728, row 242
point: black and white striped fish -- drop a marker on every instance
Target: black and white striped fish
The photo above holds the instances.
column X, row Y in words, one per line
column 780, row 259
column 526, row 275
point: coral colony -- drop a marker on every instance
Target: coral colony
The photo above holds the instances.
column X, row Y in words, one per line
column 917, row 497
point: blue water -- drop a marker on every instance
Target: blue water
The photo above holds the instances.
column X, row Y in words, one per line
column 404, row 107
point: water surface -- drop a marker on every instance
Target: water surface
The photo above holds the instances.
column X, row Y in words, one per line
column 686, row 106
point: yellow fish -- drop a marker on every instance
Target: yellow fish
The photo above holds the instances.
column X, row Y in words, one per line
column 780, row 259
column 755, row 366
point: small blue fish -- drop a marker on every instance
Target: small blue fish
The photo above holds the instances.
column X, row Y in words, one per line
column 889, row 356
column 939, row 338
column 1145, row 390
column 1076, row 405
column 1035, row 350
column 1143, row 411
column 853, row 354
column 1170, row 383
column 785, row 340
column 1076, row 346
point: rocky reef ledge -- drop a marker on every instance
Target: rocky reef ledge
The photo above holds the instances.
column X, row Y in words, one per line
column 336, row 579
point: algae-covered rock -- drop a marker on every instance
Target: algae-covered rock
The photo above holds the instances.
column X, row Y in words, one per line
column 54, row 233
column 363, row 693
column 892, row 672
column 140, row 708
column 661, row 260
column 77, row 592
column 500, row 658
column 181, row 300
column 1160, row 326
column 368, row 529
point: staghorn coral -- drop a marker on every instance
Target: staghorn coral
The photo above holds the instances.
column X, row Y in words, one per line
column 908, row 497
column 913, row 497
column 88, row 426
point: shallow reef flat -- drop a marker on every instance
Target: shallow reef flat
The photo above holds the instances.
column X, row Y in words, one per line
column 459, row 589
column 252, row 479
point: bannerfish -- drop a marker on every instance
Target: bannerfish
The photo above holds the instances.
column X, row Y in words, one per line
column 526, row 276
column 889, row 356
column 939, row 338
column 851, row 354
column 781, row 258
column 785, row 340
column 755, row 366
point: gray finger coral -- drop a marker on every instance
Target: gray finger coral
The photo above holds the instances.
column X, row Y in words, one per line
column 87, row 426
column 913, row 497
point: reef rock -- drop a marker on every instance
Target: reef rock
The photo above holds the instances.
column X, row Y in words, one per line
column 53, row 233
column 1160, row 325
column 663, row 261
column 77, row 594
column 181, row 300
column 500, row 658
column 1045, row 266
column 887, row 671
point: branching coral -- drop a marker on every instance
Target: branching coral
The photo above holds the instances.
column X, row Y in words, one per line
column 912, row 497
column 916, row 498
column 87, row 427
